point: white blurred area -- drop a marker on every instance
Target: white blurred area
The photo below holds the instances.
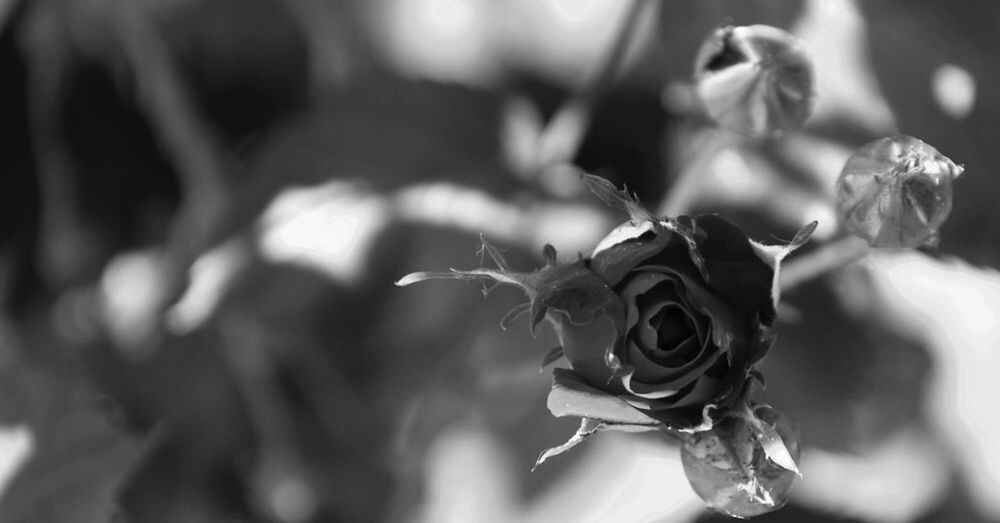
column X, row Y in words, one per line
column 474, row 41
column 956, row 307
column 17, row 445
column 954, row 90
column 620, row 478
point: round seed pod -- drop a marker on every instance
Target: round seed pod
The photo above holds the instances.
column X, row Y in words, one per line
column 896, row 192
column 744, row 465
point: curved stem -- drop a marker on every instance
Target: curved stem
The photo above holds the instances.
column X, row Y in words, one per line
column 683, row 191
column 561, row 138
column 827, row 258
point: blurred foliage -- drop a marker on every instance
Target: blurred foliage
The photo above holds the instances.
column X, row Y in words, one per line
column 321, row 395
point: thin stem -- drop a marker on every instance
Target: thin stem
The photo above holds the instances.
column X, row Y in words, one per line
column 561, row 138
column 683, row 191
column 202, row 167
column 244, row 347
column 827, row 258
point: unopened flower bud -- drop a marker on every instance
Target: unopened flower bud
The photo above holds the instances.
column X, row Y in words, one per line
column 896, row 192
column 745, row 463
column 755, row 80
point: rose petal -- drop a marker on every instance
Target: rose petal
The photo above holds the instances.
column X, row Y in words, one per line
column 730, row 333
column 640, row 283
column 653, row 308
column 659, row 295
column 571, row 396
column 684, row 410
column 652, row 381
column 683, row 351
column 735, row 271
column 643, row 334
column 674, row 326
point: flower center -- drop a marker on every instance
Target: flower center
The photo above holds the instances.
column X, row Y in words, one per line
column 673, row 326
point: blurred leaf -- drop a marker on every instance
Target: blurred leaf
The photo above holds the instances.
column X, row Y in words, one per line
column 77, row 457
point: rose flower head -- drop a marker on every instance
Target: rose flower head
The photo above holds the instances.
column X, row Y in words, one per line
column 755, row 80
column 896, row 192
column 661, row 326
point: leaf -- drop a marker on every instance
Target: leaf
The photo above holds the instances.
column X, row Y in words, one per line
column 570, row 396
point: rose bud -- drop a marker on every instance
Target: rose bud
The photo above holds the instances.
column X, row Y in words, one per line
column 661, row 325
column 745, row 463
column 896, row 192
column 754, row 80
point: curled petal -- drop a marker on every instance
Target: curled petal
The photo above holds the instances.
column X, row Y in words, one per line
column 627, row 247
column 571, row 396
column 732, row 268
column 648, row 379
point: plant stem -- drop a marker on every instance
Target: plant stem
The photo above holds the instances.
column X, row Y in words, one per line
column 827, row 258
column 683, row 191
column 561, row 138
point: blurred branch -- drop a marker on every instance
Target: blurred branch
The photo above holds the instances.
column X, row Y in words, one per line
column 325, row 31
column 191, row 144
column 683, row 191
column 280, row 472
column 561, row 138
column 48, row 53
column 170, row 107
